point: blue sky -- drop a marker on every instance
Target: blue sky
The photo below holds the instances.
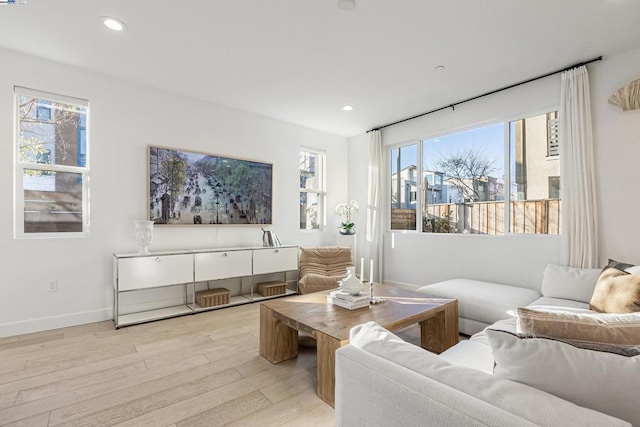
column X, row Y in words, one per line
column 487, row 140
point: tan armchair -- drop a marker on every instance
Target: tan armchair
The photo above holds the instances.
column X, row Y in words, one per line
column 322, row 268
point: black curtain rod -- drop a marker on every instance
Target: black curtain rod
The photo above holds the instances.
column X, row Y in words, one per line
column 453, row 106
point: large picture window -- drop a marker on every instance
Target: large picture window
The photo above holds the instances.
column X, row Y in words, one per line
column 51, row 165
column 312, row 193
column 492, row 179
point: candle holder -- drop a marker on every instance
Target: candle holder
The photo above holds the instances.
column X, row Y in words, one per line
column 372, row 299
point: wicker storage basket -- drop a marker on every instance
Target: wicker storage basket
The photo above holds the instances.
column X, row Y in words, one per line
column 213, row 297
column 268, row 289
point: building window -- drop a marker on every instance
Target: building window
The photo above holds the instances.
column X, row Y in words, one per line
column 553, row 149
column 51, row 165
column 554, row 187
column 467, row 176
column 312, row 193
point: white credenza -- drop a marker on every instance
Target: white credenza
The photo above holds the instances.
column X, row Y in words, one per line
column 164, row 284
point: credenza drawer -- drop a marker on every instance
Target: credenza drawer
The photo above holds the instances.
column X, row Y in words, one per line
column 272, row 260
column 154, row 271
column 222, row 265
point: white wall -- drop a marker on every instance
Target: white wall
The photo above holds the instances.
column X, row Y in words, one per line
column 617, row 143
column 418, row 259
column 125, row 118
column 358, row 173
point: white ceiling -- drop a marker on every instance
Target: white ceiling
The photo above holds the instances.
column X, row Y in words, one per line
column 300, row 61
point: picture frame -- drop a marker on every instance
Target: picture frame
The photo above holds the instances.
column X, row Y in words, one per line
column 193, row 188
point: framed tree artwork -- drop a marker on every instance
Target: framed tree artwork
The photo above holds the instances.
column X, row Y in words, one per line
column 190, row 188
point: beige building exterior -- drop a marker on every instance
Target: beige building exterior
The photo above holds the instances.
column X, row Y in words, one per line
column 536, row 158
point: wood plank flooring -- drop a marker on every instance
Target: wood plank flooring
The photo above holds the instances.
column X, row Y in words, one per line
column 197, row 370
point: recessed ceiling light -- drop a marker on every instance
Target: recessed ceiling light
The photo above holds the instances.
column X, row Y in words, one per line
column 439, row 68
column 347, row 108
column 113, row 23
column 346, row 5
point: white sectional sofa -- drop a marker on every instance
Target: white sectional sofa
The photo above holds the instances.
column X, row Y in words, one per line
column 383, row 381
column 481, row 304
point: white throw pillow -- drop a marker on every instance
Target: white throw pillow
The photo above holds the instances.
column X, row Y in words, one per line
column 569, row 283
column 595, row 379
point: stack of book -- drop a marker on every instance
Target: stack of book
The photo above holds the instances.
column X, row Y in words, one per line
column 346, row 300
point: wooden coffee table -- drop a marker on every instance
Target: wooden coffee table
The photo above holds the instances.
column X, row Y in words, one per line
column 281, row 319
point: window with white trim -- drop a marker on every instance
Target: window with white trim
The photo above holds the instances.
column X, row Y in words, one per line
column 312, row 192
column 51, row 165
column 491, row 179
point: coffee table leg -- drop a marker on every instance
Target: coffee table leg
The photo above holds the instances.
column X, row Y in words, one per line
column 278, row 342
column 441, row 331
column 326, row 370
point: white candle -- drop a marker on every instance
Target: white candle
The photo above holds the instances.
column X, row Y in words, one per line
column 362, row 269
column 371, row 272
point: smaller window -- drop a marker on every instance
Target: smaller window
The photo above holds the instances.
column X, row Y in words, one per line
column 43, row 110
column 554, row 187
column 51, row 180
column 312, row 194
column 553, row 148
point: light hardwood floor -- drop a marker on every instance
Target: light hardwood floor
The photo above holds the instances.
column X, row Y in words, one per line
column 197, row 370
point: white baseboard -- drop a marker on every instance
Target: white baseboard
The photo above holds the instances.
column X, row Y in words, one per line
column 54, row 322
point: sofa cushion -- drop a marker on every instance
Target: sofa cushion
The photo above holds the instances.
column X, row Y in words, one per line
column 482, row 301
column 592, row 378
column 569, row 283
column 473, row 354
column 460, row 387
column 580, row 325
column 312, row 279
column 503, row 325
column 617, row 291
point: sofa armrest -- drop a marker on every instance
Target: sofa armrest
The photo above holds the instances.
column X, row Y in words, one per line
column 383, row 380
column 371, row 391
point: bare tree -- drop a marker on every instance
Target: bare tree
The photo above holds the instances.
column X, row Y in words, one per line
column 465, row 168
column 63, row 121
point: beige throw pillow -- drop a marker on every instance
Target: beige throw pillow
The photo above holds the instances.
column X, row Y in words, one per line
column 616, row 291
column 581, row 325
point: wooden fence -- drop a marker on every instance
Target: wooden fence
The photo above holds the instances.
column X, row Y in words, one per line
column 52, row 211
column 529, row 217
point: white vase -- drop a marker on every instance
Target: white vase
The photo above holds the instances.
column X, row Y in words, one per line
column 144, row 235
column 351, row 284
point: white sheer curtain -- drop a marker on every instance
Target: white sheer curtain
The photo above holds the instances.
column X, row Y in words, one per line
column 374, row 205
column 579, row 215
